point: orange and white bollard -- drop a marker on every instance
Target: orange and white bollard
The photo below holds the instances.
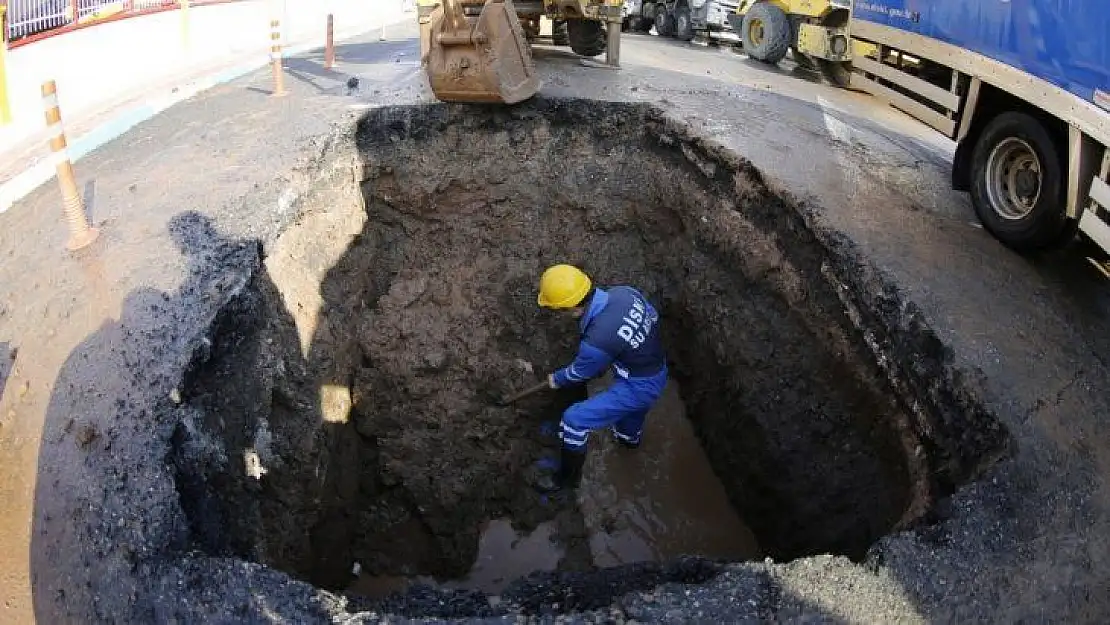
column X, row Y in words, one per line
column 329, row 47
column 80, row 233
column 275, row 58
column 5, row 106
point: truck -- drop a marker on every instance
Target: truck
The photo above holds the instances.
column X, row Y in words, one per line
column 681, row 19
column 1022, row 87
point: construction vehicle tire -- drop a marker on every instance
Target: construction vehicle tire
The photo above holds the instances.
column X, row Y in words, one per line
column 766, row 33
column 664, row 23
column 644, row 24
column 836, row 72
column 559, row 35
column 587, row 37
column 683, row 27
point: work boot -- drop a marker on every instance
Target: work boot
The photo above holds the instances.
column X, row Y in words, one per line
column 567, row 477
column 623, row 440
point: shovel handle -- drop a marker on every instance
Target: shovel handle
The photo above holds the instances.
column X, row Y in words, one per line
column 525, row 393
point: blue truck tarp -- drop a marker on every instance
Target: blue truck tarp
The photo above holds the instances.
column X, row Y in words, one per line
column 1065, row 42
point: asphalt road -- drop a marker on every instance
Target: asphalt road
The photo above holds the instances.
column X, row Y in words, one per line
column 1027, row 541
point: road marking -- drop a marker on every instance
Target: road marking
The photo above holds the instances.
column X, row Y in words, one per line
column 837, row 129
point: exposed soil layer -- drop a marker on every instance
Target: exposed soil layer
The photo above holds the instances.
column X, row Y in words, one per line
column 346, row 409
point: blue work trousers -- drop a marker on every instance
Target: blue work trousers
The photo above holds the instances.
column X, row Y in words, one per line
column 623, row 405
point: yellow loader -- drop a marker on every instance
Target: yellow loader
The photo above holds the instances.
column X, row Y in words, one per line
column 479, row 50
column 816, row 30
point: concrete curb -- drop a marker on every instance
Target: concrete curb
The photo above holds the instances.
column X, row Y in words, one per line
column 21, row 185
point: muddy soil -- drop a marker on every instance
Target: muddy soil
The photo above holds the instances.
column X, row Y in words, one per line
column 346, row 409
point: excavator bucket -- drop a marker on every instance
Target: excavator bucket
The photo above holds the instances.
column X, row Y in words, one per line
column 480, row 59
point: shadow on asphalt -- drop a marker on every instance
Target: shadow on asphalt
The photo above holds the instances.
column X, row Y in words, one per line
column 99, row 438
column 785, row 68
column 7, row 363
column 1071, row 276
column 790, row 70
column 89, row 195
column 350, row 60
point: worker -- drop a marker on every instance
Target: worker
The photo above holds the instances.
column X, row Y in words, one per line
column 619, row 329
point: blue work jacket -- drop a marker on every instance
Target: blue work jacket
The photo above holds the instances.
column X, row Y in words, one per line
column 620, row 328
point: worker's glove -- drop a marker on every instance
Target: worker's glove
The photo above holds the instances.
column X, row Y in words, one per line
column 551, row 380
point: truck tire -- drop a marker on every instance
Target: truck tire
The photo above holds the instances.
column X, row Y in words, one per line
column 683, row 27
column 559, row 34
column 664, row 22
column 644, row 24
column 766, row 33
column 1017, row 184
column 587, row 37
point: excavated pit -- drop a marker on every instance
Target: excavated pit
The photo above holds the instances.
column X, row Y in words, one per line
column 345, row 417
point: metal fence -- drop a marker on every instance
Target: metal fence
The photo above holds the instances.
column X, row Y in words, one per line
column 27, row 18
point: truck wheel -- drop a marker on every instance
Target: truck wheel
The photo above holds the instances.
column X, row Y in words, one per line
column 766, row 33
column 683, row 27
column 664, row 22
column 587, row 37
column 559, row 34
column 644, row 24
column 1017, row 184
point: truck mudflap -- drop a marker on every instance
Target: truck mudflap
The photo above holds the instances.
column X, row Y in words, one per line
column 736, row 21
column 1095, row 220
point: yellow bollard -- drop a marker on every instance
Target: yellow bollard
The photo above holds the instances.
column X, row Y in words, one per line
column 184, row 6
column 275, row 58
column 5, row 106
column 80, row 233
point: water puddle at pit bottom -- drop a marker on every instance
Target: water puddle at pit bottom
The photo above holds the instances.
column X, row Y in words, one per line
column 662, row 500
column 503, row 556
column 652, row 504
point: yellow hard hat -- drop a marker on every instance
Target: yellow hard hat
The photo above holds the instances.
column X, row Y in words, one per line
column 563, row 286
